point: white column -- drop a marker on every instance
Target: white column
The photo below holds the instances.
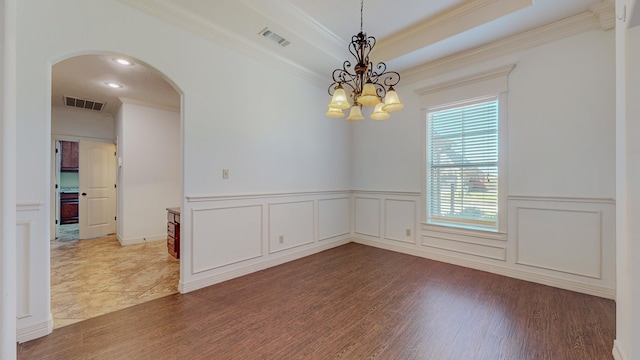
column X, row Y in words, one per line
column 626, row 345
column 8, row 179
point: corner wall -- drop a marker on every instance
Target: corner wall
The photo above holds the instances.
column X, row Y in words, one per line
column 8, row 262
column 150, row 175
column 626, row 345
column 560, row 151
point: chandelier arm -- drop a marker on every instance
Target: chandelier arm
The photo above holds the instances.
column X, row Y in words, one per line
column 391, row 78
column 353, row 47
column 377, row 72
column 344, row 76
column 356, row 75
column 371, row 42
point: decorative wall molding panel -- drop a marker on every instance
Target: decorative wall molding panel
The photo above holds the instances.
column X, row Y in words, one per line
column 23, row 281
column 33, row 315
column 334, row 218
column 231, row 236
column 574, row 238
column 483, row 244
column 387, row 216
column 225, row 235
column 466, row 247
column 566, row 237
column 557, row 241
column 367, row 216
column 291, row 224
column 400, row 220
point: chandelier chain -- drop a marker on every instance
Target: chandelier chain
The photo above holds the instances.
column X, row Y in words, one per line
column 361, row 10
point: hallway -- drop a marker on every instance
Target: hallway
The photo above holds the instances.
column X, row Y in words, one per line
column 98, row 276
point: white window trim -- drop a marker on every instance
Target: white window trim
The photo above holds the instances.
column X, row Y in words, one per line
column 490, row 83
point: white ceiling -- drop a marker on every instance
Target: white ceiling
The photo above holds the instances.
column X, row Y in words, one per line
column 410, row 33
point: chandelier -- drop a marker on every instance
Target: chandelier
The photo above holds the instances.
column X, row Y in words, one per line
column 368, row 85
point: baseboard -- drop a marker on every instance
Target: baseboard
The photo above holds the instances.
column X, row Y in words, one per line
column 495, row 269
column 273, row 260
column 618, row 354
column 142, row 240
column 35, row 331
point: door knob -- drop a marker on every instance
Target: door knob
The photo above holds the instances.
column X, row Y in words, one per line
column 84, row 194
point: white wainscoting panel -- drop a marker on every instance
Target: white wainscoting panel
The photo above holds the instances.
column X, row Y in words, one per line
column 478, row 243
column 400, row 220
column 225, row 235
column 33, row 297
column 234, row 235
column 23, row 247
column 561, row 240
column 463, row 246
column 334, row 218
column 367, row 216
column 291, row 224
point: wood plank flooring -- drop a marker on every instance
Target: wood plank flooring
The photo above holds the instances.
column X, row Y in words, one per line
column 351, row 302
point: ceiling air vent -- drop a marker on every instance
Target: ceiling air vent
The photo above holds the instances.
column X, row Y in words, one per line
column 84, row 103
column 274, row 37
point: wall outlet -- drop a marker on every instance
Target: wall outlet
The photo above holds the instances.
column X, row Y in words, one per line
column 225, row 173
column 408, row 232
column 281, row 239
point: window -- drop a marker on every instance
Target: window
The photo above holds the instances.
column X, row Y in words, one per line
column 462, row 164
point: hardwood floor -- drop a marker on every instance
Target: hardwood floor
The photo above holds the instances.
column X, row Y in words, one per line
column 351, row 302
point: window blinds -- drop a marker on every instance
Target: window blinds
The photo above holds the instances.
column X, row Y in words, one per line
column 462, row 164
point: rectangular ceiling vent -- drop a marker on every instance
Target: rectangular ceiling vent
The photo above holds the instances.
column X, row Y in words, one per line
column 84, row 103
column 274, row 37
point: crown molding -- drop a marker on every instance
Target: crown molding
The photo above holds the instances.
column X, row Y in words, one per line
column 605, row 12
column 176, row 15
column 451, row 22
column 468, row 80
column 572, row 25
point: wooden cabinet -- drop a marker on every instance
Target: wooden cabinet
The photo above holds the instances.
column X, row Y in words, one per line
column 173, row 232
column 69, row 156
column 68, row 208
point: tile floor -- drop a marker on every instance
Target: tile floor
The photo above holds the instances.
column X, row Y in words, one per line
column 97, row 276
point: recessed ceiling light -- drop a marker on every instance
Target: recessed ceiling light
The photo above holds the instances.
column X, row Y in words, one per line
column 122, row 61
column 113, row 85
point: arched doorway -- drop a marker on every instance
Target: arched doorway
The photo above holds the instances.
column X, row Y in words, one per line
column 117, row 100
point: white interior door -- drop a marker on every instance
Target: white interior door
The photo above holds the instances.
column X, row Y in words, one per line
column 97, row 191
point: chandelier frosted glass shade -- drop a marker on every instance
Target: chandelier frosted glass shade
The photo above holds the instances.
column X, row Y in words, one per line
column 379, row 113
column 339, row 99
column 369, row 96
column 355, row 114
column 391, row 101
column 334, row 112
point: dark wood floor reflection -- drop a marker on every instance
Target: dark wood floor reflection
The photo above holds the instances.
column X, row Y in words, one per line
column 351, row 302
